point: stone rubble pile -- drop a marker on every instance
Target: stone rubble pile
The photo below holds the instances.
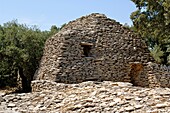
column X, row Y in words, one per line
column 92, row 97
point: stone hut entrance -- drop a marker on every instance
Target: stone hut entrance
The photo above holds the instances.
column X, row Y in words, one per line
column 136, row 69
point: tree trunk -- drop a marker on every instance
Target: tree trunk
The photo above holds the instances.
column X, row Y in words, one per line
column 26, row 84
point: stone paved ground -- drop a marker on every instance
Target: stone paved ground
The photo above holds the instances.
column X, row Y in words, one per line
column 93, row 97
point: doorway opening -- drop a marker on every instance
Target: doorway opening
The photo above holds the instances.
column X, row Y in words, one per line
column 135, row 72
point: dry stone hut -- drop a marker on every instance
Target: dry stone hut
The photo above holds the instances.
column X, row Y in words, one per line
column 94, row 47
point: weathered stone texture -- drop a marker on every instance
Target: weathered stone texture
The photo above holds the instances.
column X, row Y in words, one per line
column 88, row 97
column 158, row 75
column 93, row 47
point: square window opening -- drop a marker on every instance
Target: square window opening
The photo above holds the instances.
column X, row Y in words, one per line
column 86, row 50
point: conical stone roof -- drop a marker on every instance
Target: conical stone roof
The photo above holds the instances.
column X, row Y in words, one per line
column 92, row 47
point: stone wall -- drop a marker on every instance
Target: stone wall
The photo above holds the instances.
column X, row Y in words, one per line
column 41, row 85
column 149, row 75
column 158, row 75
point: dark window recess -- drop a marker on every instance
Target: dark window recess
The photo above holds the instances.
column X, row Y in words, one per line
column 86, row 50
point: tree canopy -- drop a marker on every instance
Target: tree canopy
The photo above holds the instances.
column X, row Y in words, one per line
column 152, row 21
column 21, row 48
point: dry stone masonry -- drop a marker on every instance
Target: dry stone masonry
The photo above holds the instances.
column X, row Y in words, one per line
column 88, row 97
column 158, row 75
column 97, row 48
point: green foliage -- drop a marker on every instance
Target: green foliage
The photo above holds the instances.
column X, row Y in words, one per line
column 62, row 26
column 152, row 21
column 21, row 49
column 157, row 53
column 54, row 29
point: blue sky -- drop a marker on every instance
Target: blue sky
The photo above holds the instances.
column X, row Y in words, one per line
column 45, row 13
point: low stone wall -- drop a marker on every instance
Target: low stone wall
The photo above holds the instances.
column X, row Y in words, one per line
column 41, row 85
column 158, row 75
